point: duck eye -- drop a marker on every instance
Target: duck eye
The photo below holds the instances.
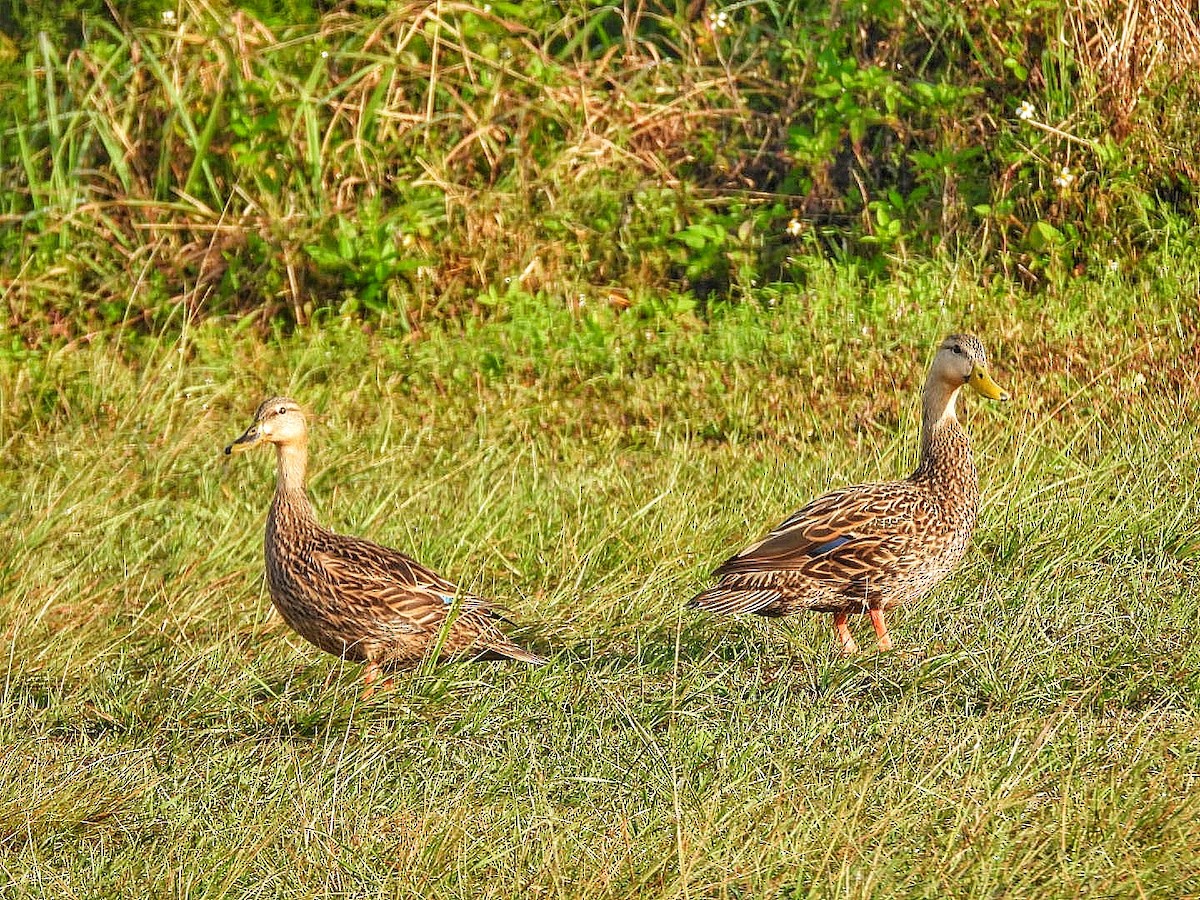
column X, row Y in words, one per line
column 282, row 410
column 957, row 349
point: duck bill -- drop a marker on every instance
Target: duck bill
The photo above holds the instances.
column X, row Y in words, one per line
column 250, row 438
column 981, row 381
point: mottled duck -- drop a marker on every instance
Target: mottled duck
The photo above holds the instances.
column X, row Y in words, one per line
column 352, row 597
column 871, row 547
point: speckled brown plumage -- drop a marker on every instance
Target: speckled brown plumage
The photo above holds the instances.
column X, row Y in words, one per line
column 869, row 547
column 352, row 597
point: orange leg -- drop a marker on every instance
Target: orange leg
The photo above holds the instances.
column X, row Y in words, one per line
column 845, row 638
column 885, row 642
column 370, row 676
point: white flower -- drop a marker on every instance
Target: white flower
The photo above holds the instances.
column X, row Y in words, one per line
column 1025, row 111
column 324, row 54
column 795, row 227
column 719, row 21
column 168, row 17
column 1114, row 265
column 1064, row 179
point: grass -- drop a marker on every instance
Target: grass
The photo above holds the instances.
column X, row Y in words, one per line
column 583, row 387
column 414, row 162
column 1036, row 735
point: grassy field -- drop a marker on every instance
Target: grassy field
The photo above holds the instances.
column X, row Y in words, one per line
column 1035, row 734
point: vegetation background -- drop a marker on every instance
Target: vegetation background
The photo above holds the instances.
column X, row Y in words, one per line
column 585, row 296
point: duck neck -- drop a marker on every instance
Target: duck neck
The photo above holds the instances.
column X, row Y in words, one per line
column 945, row 450
column 292, row 464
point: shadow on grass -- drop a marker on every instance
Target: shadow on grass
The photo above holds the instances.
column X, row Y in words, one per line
column 649, row 674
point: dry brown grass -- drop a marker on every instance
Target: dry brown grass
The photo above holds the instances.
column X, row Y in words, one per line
column 1142, row 58
column 1132, row 45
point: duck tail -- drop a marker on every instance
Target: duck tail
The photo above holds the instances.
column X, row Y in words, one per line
column 520, row 654
column 507, row 650
column 727, row 600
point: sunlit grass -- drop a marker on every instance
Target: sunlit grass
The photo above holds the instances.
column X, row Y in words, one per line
column 1034, row 735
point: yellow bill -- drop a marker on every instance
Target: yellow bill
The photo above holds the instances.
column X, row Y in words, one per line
column 982, row 382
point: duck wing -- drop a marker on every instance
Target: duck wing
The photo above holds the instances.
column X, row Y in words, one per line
column 838, row 533
column 406, row 598
column 381, row 579
column 839, row 543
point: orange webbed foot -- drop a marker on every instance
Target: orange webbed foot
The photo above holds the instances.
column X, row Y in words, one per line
column 370, row 676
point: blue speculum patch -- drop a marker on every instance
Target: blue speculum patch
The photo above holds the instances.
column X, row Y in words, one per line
column 829, row 546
